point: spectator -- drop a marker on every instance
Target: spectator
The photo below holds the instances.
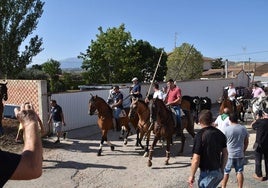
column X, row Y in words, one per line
column 237, row 143
column 222, row 121
column 56, row 114
column 209, row 153
column 231, row 95
column 261, row 145
column 27, row 165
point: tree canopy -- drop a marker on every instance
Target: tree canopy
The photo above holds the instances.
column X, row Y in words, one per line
column 114, row 57
column 18, row 21
column 185, row 62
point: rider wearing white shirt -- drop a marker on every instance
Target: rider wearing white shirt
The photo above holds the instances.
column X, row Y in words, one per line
column 157, row 92
column 232, row 94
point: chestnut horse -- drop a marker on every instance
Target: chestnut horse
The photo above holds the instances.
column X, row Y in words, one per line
column 164, row 126
column 140, row 108
column 98, row 105
column 3, row 96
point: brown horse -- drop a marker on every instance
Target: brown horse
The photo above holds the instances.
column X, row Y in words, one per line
column 105, row 119
column 225, row 102
column 140, row 108
column 164, row 126
column 3, row 96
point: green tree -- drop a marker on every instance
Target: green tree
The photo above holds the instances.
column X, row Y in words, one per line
column 185, row 62
column 52, row 68
column 115, row 57
column 106, row 57
column 147, row 62
column 217, row 64
column 18, row 21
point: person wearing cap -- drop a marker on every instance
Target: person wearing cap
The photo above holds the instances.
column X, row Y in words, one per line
column 117, row 105
column 135, row 88
column 260, row 125
column 173, row 99
column 257, row 91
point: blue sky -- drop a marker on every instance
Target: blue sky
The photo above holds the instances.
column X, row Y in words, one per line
column 232, row 29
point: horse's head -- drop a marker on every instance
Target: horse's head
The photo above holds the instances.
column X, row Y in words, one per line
column 156, row 107
column 92, row 107
column 133, row 108
column 3, row 91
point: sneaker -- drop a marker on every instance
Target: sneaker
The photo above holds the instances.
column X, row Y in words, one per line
column 64, row 135
column 258, row 177
column 57, row 141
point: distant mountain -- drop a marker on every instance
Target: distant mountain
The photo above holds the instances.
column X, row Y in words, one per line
column 70, row 63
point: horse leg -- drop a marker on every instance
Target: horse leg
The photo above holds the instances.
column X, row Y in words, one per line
column 137, row 138
column 168, row 150
column 147, row 145
column 182, row 142
column 190, row 126
column 126, row 137
column 149, row 164
column 1, row 128
column 100, row 147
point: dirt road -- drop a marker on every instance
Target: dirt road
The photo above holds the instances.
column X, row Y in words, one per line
column 74, row 163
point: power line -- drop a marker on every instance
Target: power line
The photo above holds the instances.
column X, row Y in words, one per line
column 248, row 53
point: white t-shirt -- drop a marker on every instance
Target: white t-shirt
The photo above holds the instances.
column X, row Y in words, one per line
column 221, row 124
column 158, row 94
column 231, row 91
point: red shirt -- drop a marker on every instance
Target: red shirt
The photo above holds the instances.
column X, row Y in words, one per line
column 173, row 94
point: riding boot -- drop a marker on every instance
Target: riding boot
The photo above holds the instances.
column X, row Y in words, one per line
column 118, row 126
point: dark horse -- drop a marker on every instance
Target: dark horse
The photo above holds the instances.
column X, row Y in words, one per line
column 3, row 96
column 105, row 119
column 164, row 127
column 140, row 108
column 225, row 102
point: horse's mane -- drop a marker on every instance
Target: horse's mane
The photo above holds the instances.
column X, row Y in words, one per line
column 142, row 101
column 104, row 102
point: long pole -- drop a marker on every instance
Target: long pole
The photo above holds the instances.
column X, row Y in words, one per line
column 149, row 90
column 184, row 62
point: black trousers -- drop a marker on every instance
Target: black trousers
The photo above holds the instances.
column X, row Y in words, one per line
column 259, row 153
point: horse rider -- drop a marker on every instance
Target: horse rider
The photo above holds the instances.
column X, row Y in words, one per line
column 117, row 104
column 231, row 95
column 257, row 91
column 135, row 90
column 173, row 99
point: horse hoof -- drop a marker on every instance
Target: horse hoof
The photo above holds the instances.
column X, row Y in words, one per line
column 120, row 138
column 99, row 153
column 149, row 163
column 145, row 154
column 112, row 148
column 125, row 143
column 166, row 163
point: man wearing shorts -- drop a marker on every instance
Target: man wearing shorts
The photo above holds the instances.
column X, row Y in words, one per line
column 58, row 119
column 237, row 143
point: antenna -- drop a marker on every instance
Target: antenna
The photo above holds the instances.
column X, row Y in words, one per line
column 175, row 40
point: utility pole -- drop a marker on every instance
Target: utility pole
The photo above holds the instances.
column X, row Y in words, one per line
column 226, row 68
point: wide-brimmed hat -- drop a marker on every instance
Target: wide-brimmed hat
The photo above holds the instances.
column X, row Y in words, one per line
column 134, row 79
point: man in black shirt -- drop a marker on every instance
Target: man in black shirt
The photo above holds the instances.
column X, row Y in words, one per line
column 28, row 165
column 209, row 153
column 58, row 119
column 261, row 145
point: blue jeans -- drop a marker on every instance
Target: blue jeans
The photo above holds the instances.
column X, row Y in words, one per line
column 178, row 115
column 210, row 179
column 117, row 112
column 237, row 163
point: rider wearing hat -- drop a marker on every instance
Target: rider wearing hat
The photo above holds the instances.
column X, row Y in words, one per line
column 117, row 105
